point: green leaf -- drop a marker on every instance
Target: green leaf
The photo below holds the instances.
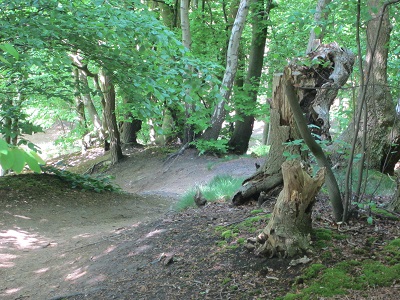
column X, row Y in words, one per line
column 19, row 160
column 4, row 60
column 3, row 147
column 7, row 160
column 32, row 163
column 370, row 220
column 10, row 50
column 317, row 30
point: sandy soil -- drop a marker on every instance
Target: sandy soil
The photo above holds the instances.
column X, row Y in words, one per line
column 51, row 234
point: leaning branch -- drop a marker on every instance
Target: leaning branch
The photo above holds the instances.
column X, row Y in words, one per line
column 331, row 183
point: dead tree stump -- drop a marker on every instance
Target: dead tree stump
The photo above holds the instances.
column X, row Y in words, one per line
column 317, row 79
column 288, row 232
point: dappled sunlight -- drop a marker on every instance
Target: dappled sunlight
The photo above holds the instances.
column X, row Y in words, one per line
column 41, row 271
column 21, row 239
column 9, row 292
column 83, row 235
column 22, row 217
column 78, row 273
column 110, row 249
column 155, row 232
column 6, row 260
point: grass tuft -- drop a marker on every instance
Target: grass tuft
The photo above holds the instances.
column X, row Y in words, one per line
column 221, row 187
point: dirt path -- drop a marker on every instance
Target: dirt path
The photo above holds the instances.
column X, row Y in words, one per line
column 50, row 235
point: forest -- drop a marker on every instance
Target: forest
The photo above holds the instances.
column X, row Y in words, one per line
column 182, row 85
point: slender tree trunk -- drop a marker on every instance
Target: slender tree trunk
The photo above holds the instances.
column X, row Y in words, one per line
column 91, row 109
column 108, row 92
column 80, row 108
column 219, row 113
column 239, row 142
column 319, row 17
column 188, row 134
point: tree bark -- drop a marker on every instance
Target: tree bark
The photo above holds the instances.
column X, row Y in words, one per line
column 394, row 205
column 108, row 91
column 91, row 109
column 316, row 39
column 331, row 183
column 219, row 113
column 288, row 231
column 382, row 132
column 317, row 87
column 188, row 131
column 79, row 108
column 239, row 142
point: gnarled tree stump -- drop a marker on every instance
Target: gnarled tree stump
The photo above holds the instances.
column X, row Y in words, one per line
column 288, row 232
column 317, row 79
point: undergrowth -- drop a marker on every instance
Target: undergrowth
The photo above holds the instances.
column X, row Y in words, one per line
column 221, row 187
column 320, row 280
column 85, row 182
column 234, row 235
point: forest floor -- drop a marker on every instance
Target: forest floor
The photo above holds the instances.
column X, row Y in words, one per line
column 57, row 242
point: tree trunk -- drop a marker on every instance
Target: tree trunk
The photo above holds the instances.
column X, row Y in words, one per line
column 382, row 132
column 80, row 109
column 318, row 87
column 319, row 17
column 108, row 91
column 394, row 205
column 219, row 113
column 239, row 142
column 188, row 132
column 91, row 109
column 288, row 232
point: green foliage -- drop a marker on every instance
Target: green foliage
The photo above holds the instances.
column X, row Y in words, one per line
column 321, row 281
column 221, row 187
column 84, row 182
column 16, row 158
column 357, row 275
column 259, row 150
column 213, row 146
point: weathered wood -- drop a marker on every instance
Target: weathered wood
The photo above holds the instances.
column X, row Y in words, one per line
column 288, row 231
column 394, row 205
column 317, row 79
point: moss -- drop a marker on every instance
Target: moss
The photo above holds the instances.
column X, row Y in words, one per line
column 312, row 271
column 340, row 236
column 241, row 241
column 326, row 255
column 374, row 273
column 256, row 211
column 323, row 234
column 384, row 213
column 356, row 275
column 392, row 251
column 221, row 243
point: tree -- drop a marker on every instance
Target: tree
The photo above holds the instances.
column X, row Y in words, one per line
column 108, row 92
column 218, row 116
column 317, row 33
column 382, row 136
column 243, row 130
